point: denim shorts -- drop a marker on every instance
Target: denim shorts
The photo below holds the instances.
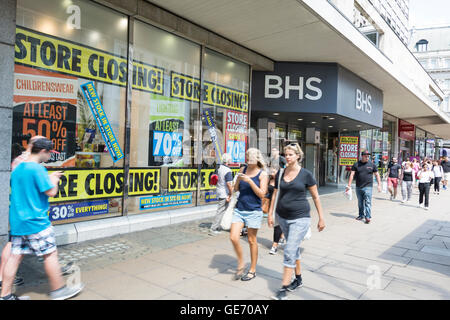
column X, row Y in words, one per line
column 41, row 243
column 251, row 219
column 294, row 232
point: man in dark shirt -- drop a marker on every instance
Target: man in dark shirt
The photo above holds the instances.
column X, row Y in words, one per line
column 446, row 168
column 364, row 171
column 394, row 173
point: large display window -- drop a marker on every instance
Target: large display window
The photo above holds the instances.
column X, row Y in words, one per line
column 163, row 120
column 70, row 86
column 71, row 80
column 225, row 112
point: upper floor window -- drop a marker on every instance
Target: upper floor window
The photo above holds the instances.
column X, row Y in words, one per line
column 422, row 45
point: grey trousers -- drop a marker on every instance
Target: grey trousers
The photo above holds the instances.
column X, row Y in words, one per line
column 222, row 206
column 406, row 190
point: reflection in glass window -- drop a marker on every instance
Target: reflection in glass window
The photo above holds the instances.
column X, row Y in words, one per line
column 63, row 47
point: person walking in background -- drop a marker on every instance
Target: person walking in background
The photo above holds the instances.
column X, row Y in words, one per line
column 276, row 160
column 425, row 176
column 446, row 168
column 416, row 168
column 438, row 174
column 293, row 214
column 252, row 184
column 408, row 179
column 394, row 173
column 363, row 171
column 278, row 237
column 31, row 229
column 224, row 190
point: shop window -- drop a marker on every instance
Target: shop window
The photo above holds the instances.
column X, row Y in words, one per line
column 70, row 86
column 164, row 110
column 225, row 104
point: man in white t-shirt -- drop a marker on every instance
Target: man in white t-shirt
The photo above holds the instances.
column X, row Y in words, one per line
column 224, row 190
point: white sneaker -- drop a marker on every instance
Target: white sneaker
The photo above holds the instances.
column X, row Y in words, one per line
column 426, row 208
column 66, row 292
column 403, row 201
column 273, row 250
column 214, row 232
column 421, row 205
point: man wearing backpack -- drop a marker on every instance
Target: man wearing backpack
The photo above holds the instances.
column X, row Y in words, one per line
column 31, row 229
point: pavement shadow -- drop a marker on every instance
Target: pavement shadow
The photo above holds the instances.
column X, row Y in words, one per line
column 218, row 261
column 343, row 215
column 433, row 256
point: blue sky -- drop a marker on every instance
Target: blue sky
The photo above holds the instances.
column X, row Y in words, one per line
column 425, row 13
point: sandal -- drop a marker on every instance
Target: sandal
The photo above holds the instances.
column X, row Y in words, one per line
column 247, row 277
column 239, row 273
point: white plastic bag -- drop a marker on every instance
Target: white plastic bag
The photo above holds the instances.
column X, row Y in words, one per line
column 348, row 194
column 384, row 187
column 225, row 223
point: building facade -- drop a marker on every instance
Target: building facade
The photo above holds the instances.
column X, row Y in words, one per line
column 141, row 99
column 431, row 48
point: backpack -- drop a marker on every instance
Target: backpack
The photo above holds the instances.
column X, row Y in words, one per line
column 214, row 178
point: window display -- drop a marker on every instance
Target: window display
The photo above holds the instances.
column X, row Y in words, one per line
column 69, row 86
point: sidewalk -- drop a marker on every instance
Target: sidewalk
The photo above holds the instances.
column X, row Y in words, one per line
column 404, row 253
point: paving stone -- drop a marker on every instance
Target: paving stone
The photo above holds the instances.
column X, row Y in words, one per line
column 440, row 282
column 356, row 274
column 383, row 295
column 383, row 257
column 436, row 250
column 428, row 257
column 414, row 290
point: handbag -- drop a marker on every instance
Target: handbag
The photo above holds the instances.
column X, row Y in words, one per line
column 225, row 223
column 275, row 219
column 227, row 217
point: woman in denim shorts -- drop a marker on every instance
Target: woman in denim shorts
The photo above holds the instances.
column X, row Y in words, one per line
column 293, row 214
column 252, row 183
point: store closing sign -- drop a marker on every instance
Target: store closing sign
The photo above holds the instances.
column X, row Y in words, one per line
column 41, row 51
column 105, row 183
column 348, row 152
column 187, row 179
column 235, row 135
column 102, row 121
column 188, row 88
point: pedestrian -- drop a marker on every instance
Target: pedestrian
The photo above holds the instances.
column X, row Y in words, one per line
column 408, row 178
column 278, row 236
column 6, row 252
column 438, row 174
column 31, row 229
column 224, row 191
column 446, row 168
column 293, row 215
column 276, row 160
column 425, row 176
column 416, row 168
column 395, row 171
column 363, row 171
column 252, row 183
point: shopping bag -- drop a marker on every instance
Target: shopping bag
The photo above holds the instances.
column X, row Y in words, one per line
column 348, row 193
column 225, row 223
column 385, row 187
